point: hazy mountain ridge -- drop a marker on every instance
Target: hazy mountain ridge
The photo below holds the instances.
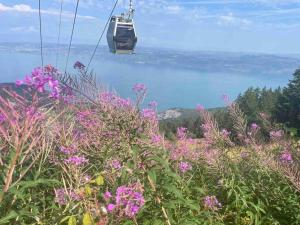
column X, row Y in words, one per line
column 204, row 61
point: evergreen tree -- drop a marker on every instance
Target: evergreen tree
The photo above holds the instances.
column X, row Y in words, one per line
column 288, row 107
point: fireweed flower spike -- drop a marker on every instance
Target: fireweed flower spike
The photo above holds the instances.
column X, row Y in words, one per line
column 79, row 66
column 107, row 195
column 226, row 99
column 68, row 151
column 2, row 118
column 149, row 114
column 254, row 127
column 212, row 203
column 276, row 135
column 181, row 133
column 128, row 201
column 42, row 77
column 200, row 108
column 116, row 164
column 184, row 167
column 152, row 104
column 76, row 160
column 286, row 157
column 110, row 207
column 62, row 196
column 139, row 88
column 19, row 83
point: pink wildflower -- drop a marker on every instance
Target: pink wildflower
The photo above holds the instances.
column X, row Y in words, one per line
column 110, row 207
column 76, row 160
column 68, row 150
column 79, row 66
column 276, row 135
column 212, row 203
column 254, row 127
column 40, row 77
column 139, row 88
column 128, row 200
column 181, row 132
column 225, row 133
column 149, row 114
column 152, row 104
column 156, row 139
column 19, row 83
column 286, row 157
column 116, row 164
column 200, row 108
column 2, row 118
column 107, row 195
column 184, row 167
column 225, row 98
column 62, row 196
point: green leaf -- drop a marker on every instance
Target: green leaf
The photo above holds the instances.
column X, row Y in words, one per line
column 152, row 175
column 7, row 218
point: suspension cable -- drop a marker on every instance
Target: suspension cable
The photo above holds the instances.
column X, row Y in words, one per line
column 74, row 21
column 99, row 40
column 41, row 37
column 59, row 29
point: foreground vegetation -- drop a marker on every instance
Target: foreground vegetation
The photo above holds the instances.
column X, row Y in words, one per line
column 88, row 156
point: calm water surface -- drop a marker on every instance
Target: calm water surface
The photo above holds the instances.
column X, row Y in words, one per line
column 169, row 87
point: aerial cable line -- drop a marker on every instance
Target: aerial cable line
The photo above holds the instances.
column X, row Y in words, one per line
column 59, row 29
column 74, row 21
column 99, row 40
column 41, row 37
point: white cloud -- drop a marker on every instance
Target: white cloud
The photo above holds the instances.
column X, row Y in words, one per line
column 231, row 20
column 173, row 9
column 30, row 29
column 22, row 8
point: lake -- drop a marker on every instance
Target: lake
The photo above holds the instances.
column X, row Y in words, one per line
column 170, row 86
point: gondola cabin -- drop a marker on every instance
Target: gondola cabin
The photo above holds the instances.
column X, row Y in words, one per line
column 121, row 36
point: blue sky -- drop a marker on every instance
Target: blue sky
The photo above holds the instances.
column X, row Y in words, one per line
column 271, row 26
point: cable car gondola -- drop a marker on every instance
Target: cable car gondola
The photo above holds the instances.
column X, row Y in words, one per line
column 121, row 36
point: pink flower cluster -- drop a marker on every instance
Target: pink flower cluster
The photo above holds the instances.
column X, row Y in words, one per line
column 212, row 203
column 33, row 113
column 116, row 164
column 40, row 78
column 254, row 127
column 139, row 88
column 183, row 149
column 76, row 160
column 156, row 139
column 114, row 100
column 149, row 114
column 2, row 118
column 276, row 135
column 181, row 133
column 184, row 167
column 79, row 66
column 86, row 118
column 286, row 157
column 225, row 133
column 200, row 108
column 62, row 196
column 128, row 201
column 152, row 104
column 72, row 159
column 208, row 133
column 68, row 150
